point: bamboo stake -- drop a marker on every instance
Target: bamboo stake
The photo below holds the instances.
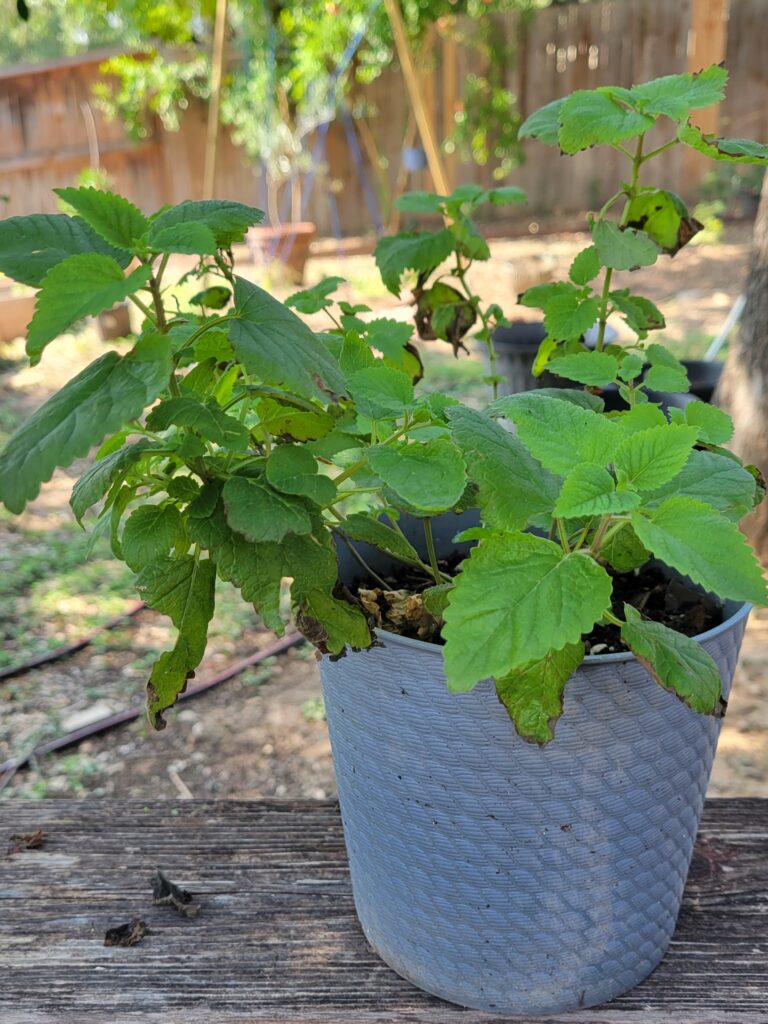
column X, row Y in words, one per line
column 217, row 66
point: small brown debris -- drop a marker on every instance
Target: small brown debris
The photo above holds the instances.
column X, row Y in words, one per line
column 126, row 934
column 26, row 841
column 167, row 894
column 566, row 828
column 399, row 611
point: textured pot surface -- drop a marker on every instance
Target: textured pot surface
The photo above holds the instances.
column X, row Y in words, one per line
column 502, row 876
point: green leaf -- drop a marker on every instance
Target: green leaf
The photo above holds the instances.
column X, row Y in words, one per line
column 735, row 151
column 533, row 694
column 274, row 344
column 559, row 434
column 594, row 368
column 585, row 267
column 116, row 219
column 435, row 599
column 714, row 479
column 31, row 246
column 594, row 117
column 469, row 241
column 207, row 418
column 664, row 217
column 215, row 297
column 696, row 540
column 623, row 551
column 380, row 392
column 513, row 487
column 584, row 399
column 567, row 312
column 428, row 476
column 96, row 481
column 505, row 195
column 192, row 238
column 639, row 313
column 714, row 426
column 650, row 458
column 227, row 219
column 675, row 661
column 543, row 124
column 363, row 527
column 331, row 624
column 388, row 336
column 642, row 417
column 78, row 286
column 421, row 251
column 623, row 248
column 420, row 202
column 590, row 490
column 98, row 401
column 630, row 369
column 666, row 373
column 316, row 298
column 514, row 594
column 260, row 512
column 150, row 533
column 677, row 95
column 182, row 588
column 293, row 470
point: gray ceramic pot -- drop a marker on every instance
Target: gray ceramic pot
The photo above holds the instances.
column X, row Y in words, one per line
column 505, row 877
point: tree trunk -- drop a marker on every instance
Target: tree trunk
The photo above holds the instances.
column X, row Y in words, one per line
column 743, row 389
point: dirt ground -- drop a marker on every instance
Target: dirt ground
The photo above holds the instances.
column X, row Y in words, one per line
column 262, row 734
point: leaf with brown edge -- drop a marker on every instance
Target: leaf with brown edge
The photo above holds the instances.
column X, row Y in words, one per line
column 332, row 624
column 533, row 694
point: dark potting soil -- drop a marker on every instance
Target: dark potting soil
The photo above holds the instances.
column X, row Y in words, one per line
column 669, row 601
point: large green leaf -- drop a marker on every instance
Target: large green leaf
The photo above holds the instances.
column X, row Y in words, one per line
column 716, row 480
column 593, row 368
column 260, row 512
column 677, row 95
column 96, row 481
column 116, row 219
column 650, row 458
column 149, row 534
column 623, row 248
column 590, row 490
column 713, row 425
column 664, row 217
column 182, row 588
column 364, row 527
column 98, row 401
column 227, row 219
column 666, row 373
column 533, row 694
column 293, row 470
column 623, row 551
column 31, row 246
column 675, row 661
column 735, row 151
column 207, row 418
column 427, row 476
column 78, row 286
column 273, row 343
column 331, row 624
column 517, row 598
column 585, row 267
column 543, row 124
column 560, row 434
column 191, row 237
column 696, row 540
column 421, row 251
column 568, row 311
column 514, row 488
column 380, row 392
column 598, row 116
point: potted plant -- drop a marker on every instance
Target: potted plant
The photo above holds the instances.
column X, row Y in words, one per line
column 584, row 575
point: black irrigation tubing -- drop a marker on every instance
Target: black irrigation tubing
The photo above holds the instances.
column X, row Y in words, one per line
column 77, row 645
column 129, row 714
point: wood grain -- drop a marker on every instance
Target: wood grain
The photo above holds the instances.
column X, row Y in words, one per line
column 277, row 939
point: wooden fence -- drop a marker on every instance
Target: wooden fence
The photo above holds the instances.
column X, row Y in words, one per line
column 50, row 128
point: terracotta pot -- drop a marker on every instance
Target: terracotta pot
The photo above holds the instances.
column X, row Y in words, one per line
column 287, row 244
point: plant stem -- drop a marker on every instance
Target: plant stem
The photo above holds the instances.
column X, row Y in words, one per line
column 431, row 550
column 143, row 307
column 610, row 617
column 561, row 532
column 660, row 149
column 356, row 554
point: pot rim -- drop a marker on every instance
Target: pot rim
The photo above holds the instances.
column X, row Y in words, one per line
column 590, row 659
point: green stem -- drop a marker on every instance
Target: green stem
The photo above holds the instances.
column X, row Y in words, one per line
column 610, row 617
column 431, row 550
column 143, row 307
column 200, row 332
column 660, row 149
column 561, row 532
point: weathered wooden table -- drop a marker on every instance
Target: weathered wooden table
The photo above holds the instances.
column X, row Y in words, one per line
column 276, row 938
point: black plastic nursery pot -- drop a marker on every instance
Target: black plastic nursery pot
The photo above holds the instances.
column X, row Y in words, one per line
column 503, row 876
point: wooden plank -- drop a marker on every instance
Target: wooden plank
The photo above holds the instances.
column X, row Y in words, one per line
column 277, row 939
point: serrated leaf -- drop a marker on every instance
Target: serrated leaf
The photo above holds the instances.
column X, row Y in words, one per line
column 735, row 151
column 623, row 249
column 332, row 624
column 713, row 425
column 623, row 550
column 421, row 251
column 675, row 661
column 586, row 266
column 388, row 336
column 642, row 417
column 380, row 392
column 568, row 313
column 543, row 124
column 513, row 487
column 420, row 202
column 427, row 476
column 435, row 599
column 630, row 369
column 714, row 479
column 593, row 368
column 664, row 217
column 593, row 117
column 182, row 588
column 514, row 594
column 590, row 490
column 584, row 399
column 559, row 434
column 650, row 458
column 696, row 540
column 667, row 373
column 78, row 286
column 363, row 527
column 639, row 313
column 293, row 470
column 207, row 418
column 96, row 481
column 149, row 534
column 192, row 237
column 98, row 401
column 260, row 513
column 677, row 95
column 116, row 219
column 227, row 219
column 273, row 343
column 316, row 298
column 31, row 246
column 533, row 694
